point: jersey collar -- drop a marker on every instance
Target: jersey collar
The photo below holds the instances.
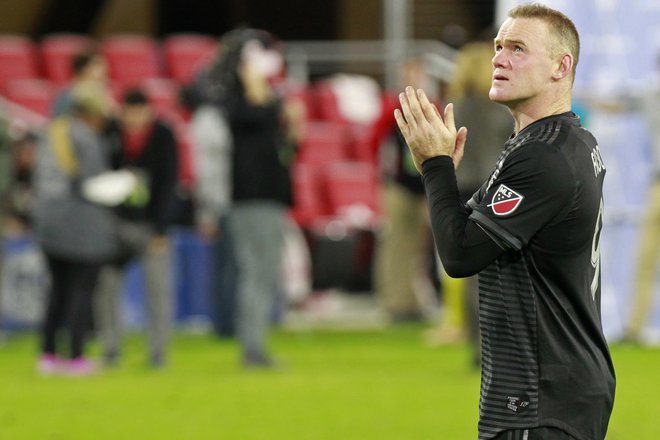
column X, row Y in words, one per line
column 570, row 117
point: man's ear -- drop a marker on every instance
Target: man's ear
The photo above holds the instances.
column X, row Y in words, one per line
column 564, row 67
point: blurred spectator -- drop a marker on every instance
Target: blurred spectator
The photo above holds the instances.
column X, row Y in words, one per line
column 5, row 173
column 454, row 35
column 5, row 155
column 18, row 202
column 89, row 65
column 149, row 151
column 649, row 248
column 490, row 126
column 647, row 103
column 404, row 241
column 261, row 187
column 213, row 160
column 76, row 235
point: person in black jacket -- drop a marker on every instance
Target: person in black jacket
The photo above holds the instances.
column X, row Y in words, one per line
column 261, row 187
column 148, row 148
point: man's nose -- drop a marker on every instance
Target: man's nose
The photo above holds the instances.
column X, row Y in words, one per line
column 499, row 59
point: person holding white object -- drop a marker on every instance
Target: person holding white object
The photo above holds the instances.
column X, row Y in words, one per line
column 110, row 188
column 147, row 167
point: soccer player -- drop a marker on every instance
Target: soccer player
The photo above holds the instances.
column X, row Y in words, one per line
column 532, row 232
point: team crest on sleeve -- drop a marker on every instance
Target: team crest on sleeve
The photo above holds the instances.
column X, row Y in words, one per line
column 505, row 201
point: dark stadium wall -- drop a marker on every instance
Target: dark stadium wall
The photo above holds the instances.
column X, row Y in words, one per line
column 289, row 19
column 360, row 20
column 452, row 21
column 20, row 17
column 66, row 16
column 127, row 16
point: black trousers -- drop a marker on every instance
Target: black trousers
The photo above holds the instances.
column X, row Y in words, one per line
column 69, row 302
column 534, row 434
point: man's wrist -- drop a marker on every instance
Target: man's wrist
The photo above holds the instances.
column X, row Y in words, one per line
column 435, row 162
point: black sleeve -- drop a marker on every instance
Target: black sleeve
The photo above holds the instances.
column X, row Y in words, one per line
column 464, row 247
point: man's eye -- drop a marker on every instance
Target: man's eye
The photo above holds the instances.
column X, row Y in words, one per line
column 517, row 49
column 498, row 48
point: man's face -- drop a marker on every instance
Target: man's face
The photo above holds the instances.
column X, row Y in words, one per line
column 136, row 117
column 522, row 65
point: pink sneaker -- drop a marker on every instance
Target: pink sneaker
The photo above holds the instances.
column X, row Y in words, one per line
column 80, row 367
column 49, row 364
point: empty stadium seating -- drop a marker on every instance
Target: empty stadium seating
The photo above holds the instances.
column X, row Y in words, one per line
column 32, row 93
column 323, row 142
column 57, row 52
column 326, row 103
column 18, row 58
column 162, row 93
column 185, row 54
column 349, row 185
column 334, row 173
column 132, row 58
column 309, row 202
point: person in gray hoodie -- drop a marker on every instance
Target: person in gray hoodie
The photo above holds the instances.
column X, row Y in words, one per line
column 76, row 235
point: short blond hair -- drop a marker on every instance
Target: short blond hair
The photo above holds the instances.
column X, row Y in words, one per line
column 559, row 24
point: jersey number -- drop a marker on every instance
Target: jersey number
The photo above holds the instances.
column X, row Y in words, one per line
column 595, row 251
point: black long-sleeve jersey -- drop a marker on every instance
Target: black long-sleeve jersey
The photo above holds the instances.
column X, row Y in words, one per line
column 532, row 232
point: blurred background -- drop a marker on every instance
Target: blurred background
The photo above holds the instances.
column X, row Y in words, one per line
column 161, row 45
column 343, row 61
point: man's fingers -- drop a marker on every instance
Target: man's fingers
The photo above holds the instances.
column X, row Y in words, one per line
column 406, row 111
column 459, row 149
column 449, row 118
column 437, row 112
column 401, row 122
column 430, row 111
column 461, row 137
column 415, row 107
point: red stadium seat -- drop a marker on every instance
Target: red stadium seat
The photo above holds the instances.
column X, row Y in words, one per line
column 57, row 52
column 326, row 100
column 163, row 94
column 303, row 94
column 349, row 185
column 361, row 140
column 323, row 142
column 309, row 205
column 34, row 94
column 18, row 58
column 185, row 54
column 131, row 58
column 360, row 134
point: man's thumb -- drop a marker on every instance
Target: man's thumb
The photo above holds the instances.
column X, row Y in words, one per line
column 459, row 147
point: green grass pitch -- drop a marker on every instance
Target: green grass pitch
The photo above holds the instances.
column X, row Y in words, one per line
column 336, row 386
